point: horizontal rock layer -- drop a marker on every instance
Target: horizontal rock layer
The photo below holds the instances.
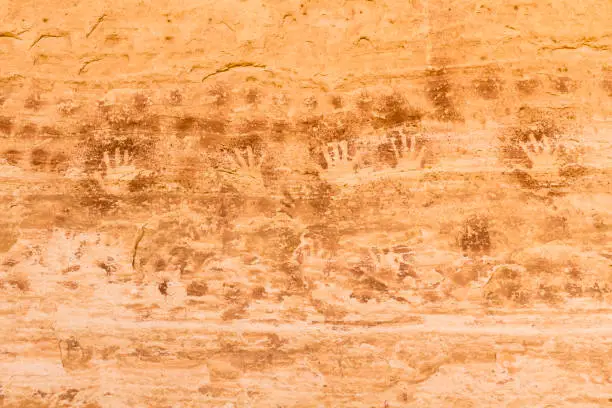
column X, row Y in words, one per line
column 305, row 204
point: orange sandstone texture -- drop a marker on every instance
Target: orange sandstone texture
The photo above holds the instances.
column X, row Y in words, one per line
column 305, row 204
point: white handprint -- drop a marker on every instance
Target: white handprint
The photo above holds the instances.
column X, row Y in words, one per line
column 247, row 175
column 310, row 252
column 249, row 167
column 391, row 263
column 543, row 155
column 118, row 172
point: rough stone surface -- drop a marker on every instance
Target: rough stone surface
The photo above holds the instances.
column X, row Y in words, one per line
column 305, row 204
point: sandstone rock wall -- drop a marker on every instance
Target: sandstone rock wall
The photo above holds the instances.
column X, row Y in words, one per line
column 331, row 204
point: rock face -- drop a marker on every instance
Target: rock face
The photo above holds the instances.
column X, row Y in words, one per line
column 305, row 204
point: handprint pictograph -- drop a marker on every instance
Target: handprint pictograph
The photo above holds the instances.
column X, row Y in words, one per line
column 73, row 354
column 249, row 167
column 408, row 157
column 310, row 252
column 394, row 261
column 118, row 172
column 384, row 260
column 543, row 155
column 408, row 154
column 382, row 270
column 246, row 173
column 341, row 169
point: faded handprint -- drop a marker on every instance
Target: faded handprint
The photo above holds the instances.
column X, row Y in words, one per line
column 301, row 196
column 340, row 168
column 338, row 161
column 288, row 204
column 74, row 356
column 393, row 262
column 249, row 167
column 119, row 172
column 542, row 154
column 408, row 157
column 385, row 260
column 172, row 246
column 246, row 174
column 193, row 226
column 311, row 253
